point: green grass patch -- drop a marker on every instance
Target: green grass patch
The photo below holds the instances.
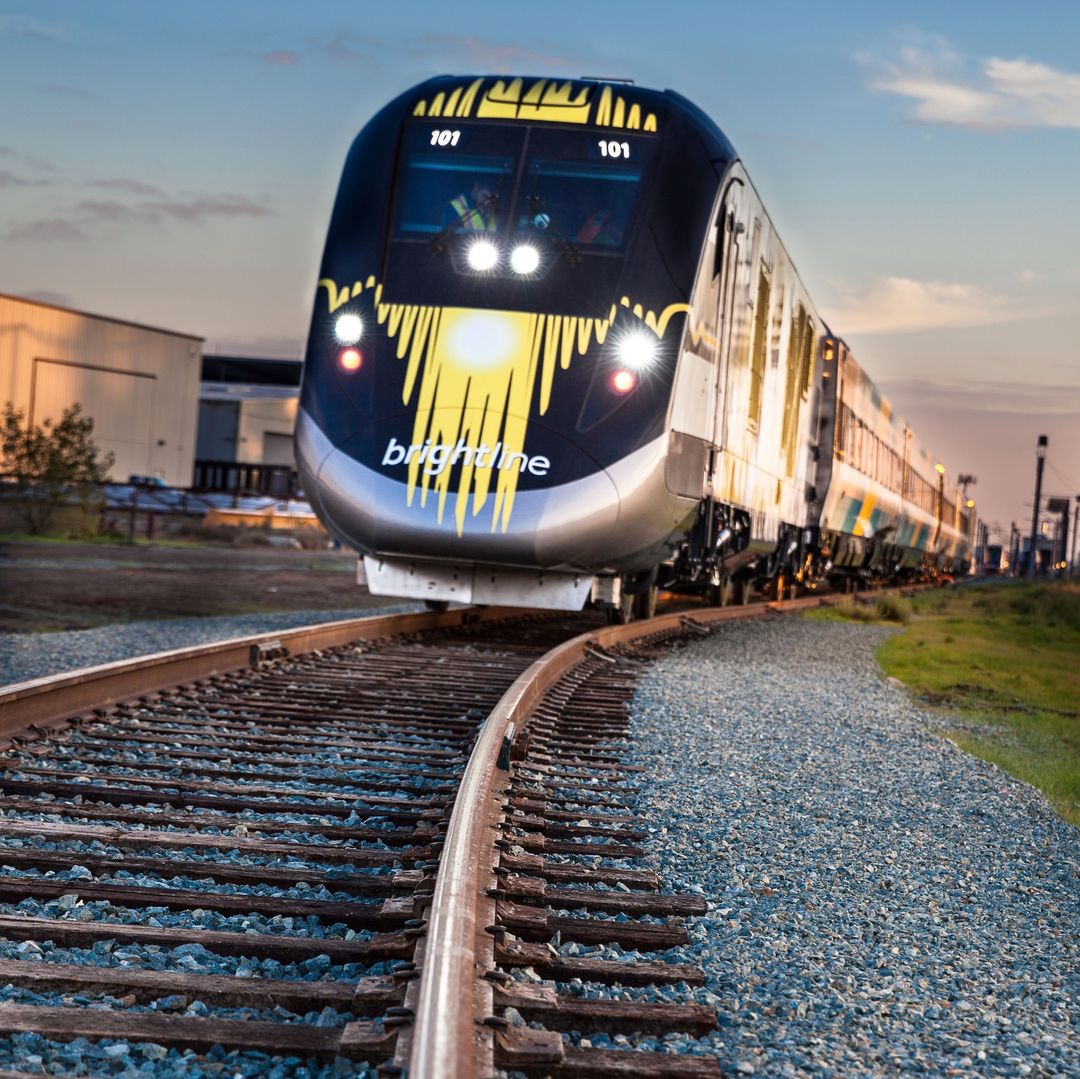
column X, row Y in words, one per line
column 1002, row 659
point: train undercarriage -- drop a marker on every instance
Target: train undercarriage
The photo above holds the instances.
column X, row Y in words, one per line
column 721, row 561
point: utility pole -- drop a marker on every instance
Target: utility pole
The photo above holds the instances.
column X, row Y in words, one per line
column 1076, row 529
column 1040, row 460
column 1060, row 559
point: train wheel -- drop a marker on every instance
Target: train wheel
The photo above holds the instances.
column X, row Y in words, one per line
column 719, row 595
column 645, row 603
column 740, row 592
column 623, row 613
column 437, row 605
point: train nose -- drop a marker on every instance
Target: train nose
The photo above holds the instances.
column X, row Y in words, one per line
column 445, row 498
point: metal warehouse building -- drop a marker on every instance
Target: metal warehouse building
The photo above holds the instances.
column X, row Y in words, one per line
column 139, row 384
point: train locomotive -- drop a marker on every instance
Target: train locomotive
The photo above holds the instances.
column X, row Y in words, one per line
column 559, row 355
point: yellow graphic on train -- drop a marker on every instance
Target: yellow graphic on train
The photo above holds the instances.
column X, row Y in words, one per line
column 545, row 100
column 472, row 374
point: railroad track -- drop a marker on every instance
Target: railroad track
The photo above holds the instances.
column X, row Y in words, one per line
column 405, row 842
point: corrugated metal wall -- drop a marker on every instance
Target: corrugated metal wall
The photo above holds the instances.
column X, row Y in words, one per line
column 140, row 385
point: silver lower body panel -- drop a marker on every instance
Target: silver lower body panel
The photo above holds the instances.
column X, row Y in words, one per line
column 619, row 519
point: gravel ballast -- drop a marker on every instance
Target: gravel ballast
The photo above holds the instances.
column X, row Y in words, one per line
column 24, row 656
column 879, row 901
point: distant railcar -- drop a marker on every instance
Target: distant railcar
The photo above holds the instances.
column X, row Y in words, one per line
column 559, row 353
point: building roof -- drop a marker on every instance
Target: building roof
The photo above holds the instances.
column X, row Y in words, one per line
column 101, row 318
column 251, row 370
column 237, row 391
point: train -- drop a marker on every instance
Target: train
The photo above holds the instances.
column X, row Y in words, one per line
column 559, row 355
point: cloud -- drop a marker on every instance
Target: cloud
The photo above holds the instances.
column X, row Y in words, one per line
column 122, row 183
column 157, row 211
column 349, row 48
column 35, row 163
column 900, row 304
column 88, row 213
column 9, row 179
column 963, row 395
column 193, row 210
column 282, row 57
column 496, row 57
column 274, row 347
column 27, row 27
column 441, row 51
column 47, row 230
column 59, row 89
column 996, row 93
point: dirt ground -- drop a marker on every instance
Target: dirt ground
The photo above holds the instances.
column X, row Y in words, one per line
column 54, row 586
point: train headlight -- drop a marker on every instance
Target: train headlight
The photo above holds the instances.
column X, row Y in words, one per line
column 483, row 255
column 637, row 349
column 351, row 359
column 349, row 329
column 524, row 259
column 623, row 381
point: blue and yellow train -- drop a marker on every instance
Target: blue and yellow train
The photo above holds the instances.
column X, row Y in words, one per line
column 559, row 354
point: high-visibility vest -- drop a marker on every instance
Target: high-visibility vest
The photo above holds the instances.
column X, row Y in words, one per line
column 471, row 217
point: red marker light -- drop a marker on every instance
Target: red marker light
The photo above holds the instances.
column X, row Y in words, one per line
column 351, row 359
column 623, row 381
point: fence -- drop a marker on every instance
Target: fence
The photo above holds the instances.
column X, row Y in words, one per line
column 135, row 509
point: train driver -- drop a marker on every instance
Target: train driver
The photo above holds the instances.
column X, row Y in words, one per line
column 598, row 228
column 472, row 211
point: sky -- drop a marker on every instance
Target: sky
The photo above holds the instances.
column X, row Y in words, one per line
column 176, row 164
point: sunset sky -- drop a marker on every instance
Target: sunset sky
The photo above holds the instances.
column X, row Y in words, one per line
column 176, row 164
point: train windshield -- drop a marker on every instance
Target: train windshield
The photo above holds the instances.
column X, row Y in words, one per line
column 579, row 188
column 582, row 186
column 455, row 179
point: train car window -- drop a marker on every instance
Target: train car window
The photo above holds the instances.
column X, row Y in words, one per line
column 757, row 356
column 789, row 432
column 455, row 184
column 725, row 220
column 755, row 253
column 807, row 359
column 576, row 189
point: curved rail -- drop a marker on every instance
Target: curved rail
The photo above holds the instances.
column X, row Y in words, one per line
column 446, row 1042
column 53, row 699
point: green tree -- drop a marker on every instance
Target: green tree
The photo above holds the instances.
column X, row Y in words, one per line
column 51, row 462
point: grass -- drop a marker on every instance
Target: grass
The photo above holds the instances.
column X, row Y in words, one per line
column 1001, row 660
column 63, row 538
column 886, row 608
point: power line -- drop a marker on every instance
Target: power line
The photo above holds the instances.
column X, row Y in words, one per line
column 1064, row 479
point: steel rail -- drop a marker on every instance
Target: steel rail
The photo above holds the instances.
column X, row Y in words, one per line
column 447, row 1044
column 55, row 698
